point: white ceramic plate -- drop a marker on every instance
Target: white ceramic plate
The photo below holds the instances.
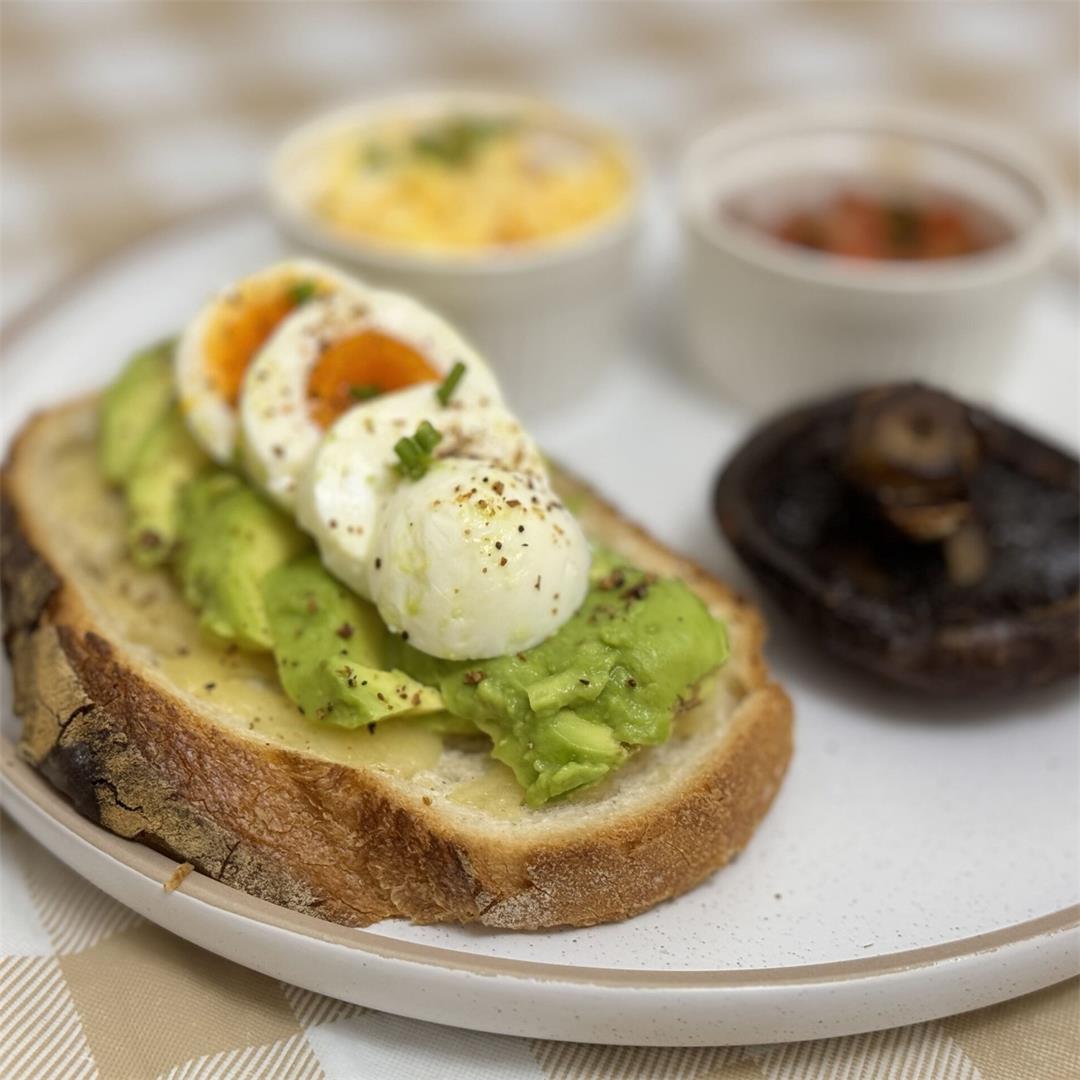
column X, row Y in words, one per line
column 920, row 860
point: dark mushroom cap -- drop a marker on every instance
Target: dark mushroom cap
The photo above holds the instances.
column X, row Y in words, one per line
column 809, row 504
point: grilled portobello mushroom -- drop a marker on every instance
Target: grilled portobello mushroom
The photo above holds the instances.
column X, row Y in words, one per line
column 916, row 536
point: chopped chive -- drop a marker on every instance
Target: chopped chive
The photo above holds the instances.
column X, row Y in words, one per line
column 409, row 454
column 427, row 437
column 414, row 451
column 302, row 291
column 375, row 156
column 364, row 392
column 455, row 141
column 450, row 383
column 903, row 224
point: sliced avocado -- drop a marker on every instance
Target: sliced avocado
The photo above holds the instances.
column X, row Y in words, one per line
column 566, row 712
column 168, row 460
column 132, row 407
column 330, row 648
column 230, row 538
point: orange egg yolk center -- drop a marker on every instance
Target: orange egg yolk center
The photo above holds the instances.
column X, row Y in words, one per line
column 361, row 367
column 240, row 327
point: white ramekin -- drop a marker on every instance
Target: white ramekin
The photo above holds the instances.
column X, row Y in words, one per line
column 549, row 316
column 771, row 324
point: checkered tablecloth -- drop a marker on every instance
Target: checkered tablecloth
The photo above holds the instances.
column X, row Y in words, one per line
column 89, row 989
column 117, row 117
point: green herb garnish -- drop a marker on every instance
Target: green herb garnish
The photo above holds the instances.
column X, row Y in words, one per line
column 903, row 225
column 456, row 141
column 414, row 451
column 375, row 156
column 302, row 291
column 364, row 392
column 450, row 383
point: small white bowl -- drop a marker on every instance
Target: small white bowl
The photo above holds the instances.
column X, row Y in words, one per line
column 549, row 315
column 771, row 324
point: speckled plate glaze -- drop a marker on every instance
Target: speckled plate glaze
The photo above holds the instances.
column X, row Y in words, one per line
column 920, row 860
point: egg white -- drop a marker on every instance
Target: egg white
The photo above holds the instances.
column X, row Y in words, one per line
column 353, row 470
column 473, row 561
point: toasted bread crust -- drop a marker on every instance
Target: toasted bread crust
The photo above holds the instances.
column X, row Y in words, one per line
column 343, row 842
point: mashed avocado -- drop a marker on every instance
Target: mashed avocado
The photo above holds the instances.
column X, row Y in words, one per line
column 565, row 713
column 562, row 715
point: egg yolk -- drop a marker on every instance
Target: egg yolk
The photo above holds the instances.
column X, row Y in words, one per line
column 240, row 326
column 360, row 367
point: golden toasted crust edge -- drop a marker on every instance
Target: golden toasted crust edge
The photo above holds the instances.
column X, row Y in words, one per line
column 339, row 842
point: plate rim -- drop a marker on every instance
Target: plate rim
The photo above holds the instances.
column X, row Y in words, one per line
column 18, row 775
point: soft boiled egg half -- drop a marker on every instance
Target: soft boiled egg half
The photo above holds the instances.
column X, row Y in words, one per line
column 354, row 468
column 330, row 356
column 220, row 343
column 473, row 560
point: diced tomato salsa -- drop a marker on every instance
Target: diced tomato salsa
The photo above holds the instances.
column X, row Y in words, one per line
column 860, row 226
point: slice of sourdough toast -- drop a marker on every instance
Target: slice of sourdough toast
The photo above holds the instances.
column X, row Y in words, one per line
column 191, row 748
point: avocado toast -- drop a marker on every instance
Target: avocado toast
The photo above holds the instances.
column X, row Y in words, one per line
column 202, row 684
